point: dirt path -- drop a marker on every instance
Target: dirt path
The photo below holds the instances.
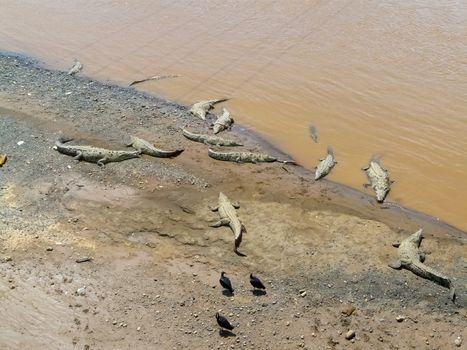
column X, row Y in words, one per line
column 321, row 249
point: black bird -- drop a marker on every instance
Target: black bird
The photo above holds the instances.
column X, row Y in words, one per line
column 223, row 322
column 225, row 283
column 256, row 283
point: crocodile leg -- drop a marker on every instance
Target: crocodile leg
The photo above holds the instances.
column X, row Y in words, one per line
column 221, row 222
column 78, row 156
column 216, row 208
column 396, row 265
column 236, row 205
column 101, row 162
column 366, row 185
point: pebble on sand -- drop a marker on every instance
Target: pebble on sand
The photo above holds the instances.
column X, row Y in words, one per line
column 350, row 334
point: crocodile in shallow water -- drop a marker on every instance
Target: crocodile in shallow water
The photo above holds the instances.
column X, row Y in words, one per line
column 379, row 179
column 146, row 147
column 228, row 217
column 200, row 109
column 209, row 139
column 313, row 133
column 411, row 258
column 325, row 165
column 77, row 66
column 225, row 121
column 245, row 157
column 91, row 154
column 155, row 77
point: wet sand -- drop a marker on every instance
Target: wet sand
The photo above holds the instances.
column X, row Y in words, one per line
column 153, row 280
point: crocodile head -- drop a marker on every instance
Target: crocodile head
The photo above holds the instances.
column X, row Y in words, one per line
column 217, row 128
column 416, row 238
column 381, row 194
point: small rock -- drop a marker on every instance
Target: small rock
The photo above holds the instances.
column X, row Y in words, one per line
column 19, row 143
column 400, row 318
column 303, row 294
column 81, row 291
column 348, row 310
column 138, row 329
column 350, row 334
column 7, row 258
column 458, row 342
column 49, row 249
column 114, row 322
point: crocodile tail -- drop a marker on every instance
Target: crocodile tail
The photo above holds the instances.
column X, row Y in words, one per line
column 63, row 139
column 213, row 102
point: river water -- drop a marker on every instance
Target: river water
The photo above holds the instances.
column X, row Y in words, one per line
column 374, row 77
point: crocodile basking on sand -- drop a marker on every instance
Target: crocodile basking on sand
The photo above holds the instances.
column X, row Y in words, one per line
column 379, row 179
column 225, row 121
column 245, row 157
column 200, row 109
column 325, row 165
column 91, row 154
column 228, row 217
column 209, row 139
column 146, row 147
column 411, row 258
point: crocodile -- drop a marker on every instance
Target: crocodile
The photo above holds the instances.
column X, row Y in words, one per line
column 77, row 66
column 228, row 217
column 379, row 179
column 200, row 109
column 155, row 77
column 325, row 165
column 209, row 139
column 225, row 121
column 91, row 154
column 146, row 147
column 411, row 258
column 313, row 133
column 245, row 157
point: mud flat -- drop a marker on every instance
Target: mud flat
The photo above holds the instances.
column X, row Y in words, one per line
column 321, row 249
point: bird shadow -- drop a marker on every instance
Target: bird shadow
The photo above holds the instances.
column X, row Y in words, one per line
column 225, row 333
column 258, row 292
column 227, row 293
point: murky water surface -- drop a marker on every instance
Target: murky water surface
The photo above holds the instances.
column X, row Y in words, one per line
column 372, row 76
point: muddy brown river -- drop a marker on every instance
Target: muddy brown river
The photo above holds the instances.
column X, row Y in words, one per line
column 373, row 77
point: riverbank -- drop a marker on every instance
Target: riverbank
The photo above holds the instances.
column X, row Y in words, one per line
column 153, row 277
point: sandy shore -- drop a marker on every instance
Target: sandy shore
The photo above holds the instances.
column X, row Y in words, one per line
column 153, row 280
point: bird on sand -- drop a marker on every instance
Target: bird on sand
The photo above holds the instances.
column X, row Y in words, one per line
column 225, row 282
column 223, row 322
column 256, row 282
